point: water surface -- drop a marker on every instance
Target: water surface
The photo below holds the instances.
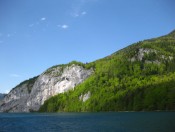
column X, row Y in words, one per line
column 88, row 122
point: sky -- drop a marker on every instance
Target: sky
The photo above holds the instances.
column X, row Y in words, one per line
column 37, row 34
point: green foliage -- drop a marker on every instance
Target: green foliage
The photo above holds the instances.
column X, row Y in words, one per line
column 119, row 84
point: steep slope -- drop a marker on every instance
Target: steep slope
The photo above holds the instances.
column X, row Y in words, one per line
column 31, row 94
column 15, row 100
column 2, row 97
column 138, row 77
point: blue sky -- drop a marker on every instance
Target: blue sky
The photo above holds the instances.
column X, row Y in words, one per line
column 37, row 34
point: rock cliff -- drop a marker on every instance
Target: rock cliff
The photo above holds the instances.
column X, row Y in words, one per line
column 2, row 97
column 31, row 94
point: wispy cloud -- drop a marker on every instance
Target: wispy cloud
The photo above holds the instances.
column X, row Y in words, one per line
column 43, row 19
column 77, row 7
column 31, row 25
column 7, row 91
column 9, row 35
column 75, row 14
column 78, row 14
column 64, row 26
column 83, row 13
column 15, row 75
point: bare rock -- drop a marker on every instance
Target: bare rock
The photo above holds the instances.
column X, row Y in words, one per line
column 51, row 82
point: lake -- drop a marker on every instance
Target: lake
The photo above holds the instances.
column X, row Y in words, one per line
column 88, row 122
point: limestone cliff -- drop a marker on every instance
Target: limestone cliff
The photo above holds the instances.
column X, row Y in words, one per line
column 30, row 95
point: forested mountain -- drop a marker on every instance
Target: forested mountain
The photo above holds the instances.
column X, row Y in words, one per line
column 138, row 77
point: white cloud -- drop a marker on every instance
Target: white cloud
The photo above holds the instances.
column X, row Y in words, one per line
column 8, row 35
column 78, row 6
column 64, row 26
column 7, row 91
column 43, row 19
column 78, row 14
column 83, row 13
column 15, row 75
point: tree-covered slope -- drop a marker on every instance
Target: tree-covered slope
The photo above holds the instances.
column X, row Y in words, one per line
column 138, row 77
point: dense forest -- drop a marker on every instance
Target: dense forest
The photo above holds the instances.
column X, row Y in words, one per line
column 140, row 77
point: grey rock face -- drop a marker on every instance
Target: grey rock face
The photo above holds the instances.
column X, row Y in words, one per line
column 145, row 51
column 51, row 82
column 139, row 56
column 85, row 96
column 2, row 97
column 15, row 100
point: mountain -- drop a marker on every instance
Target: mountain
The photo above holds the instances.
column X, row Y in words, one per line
column 136, row 78
column 31, row 94
column 2, row 97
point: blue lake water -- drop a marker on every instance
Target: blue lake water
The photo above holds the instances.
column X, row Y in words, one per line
column 88, row 122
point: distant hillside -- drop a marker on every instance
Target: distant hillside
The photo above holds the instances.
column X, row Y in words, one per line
column 138, row 77
column 2, row 96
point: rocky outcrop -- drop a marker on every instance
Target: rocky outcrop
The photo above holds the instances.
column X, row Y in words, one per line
column 15, row 99
column 55, row 80
column 141, row 53
column 149, row 56
column 85, row 97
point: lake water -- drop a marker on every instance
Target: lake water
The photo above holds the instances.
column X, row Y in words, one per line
column 88, row 122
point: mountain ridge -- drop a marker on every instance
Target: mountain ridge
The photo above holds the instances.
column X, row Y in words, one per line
column 30, row 94
column 138, row 77
column 145, row 80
